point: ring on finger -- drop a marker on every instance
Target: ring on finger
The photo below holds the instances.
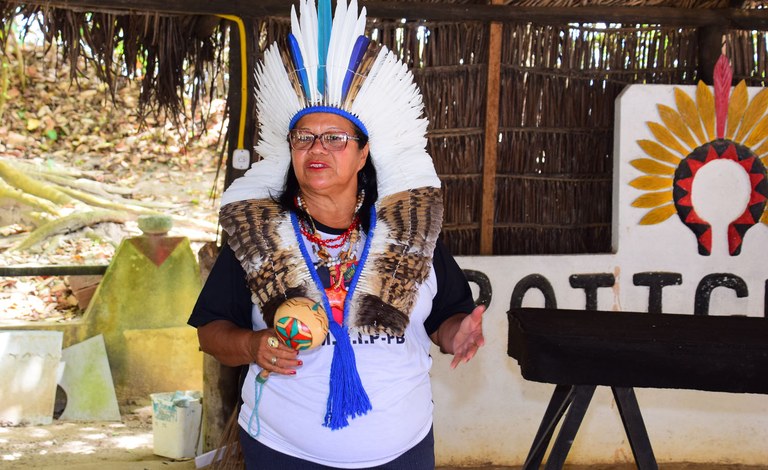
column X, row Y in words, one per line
column 272, row 342
column 273, row 360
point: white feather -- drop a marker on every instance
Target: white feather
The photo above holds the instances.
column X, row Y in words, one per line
column 296, row 31
column 390, row 106
column 309, row 32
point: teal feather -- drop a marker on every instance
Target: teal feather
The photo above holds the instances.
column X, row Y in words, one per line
column 324, row 23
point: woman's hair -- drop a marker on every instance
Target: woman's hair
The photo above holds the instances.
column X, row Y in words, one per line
column 366, row 181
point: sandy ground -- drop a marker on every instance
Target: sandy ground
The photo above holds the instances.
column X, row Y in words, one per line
column 73, row 445
column 128, row 445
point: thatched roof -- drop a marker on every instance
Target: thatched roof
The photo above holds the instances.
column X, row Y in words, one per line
column 165, row 52
column 533, row 176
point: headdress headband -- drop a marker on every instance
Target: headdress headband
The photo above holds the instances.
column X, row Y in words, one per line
column 331, row 66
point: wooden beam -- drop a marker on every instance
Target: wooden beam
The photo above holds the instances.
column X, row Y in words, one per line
column 53, row 270
column 671, row 16
column 490, row 153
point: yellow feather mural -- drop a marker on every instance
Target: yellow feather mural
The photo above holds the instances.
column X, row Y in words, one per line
column 762, row 151
column 705, row 100
column 759, row 133
column 690, row 114
column 651, row 183
column 666, row 138
column 676, row 125
column 736, row 106
column 657, row 151
column 655, row 199
column 658, row 215
column 753, row 113
column 686, row 126
column 652, row 167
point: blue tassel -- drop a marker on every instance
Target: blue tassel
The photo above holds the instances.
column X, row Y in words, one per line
column 324, row 23
column 361, row 46
column 298, row 63
column 347, row 397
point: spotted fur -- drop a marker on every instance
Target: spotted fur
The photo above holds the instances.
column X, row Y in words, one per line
column 262, row 237
column 398, row 260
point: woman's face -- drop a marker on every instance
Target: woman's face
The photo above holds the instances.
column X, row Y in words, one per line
column 320, row 171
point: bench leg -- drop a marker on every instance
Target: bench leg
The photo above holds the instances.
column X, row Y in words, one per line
column 561, row 447
column 635, row 428
column 558, row 404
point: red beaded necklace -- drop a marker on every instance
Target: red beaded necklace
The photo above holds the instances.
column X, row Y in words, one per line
column 341, row 267
column 335, row 242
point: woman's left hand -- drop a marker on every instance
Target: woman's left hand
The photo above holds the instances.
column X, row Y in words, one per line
column 468, row 337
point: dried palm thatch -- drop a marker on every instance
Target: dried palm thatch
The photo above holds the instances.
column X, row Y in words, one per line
column 229, row 455
column 173, row 56
column 623, row 3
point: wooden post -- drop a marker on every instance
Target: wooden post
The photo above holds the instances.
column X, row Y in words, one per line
column 221, row 383
column 487, row 219
column 710, row 48
column 221, row 387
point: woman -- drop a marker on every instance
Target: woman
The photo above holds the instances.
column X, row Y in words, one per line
column 356, row 232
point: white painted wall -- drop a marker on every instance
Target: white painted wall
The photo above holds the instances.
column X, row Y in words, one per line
column 486, row 413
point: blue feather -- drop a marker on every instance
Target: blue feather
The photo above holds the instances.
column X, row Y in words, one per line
column 324, row 25
column 298, row 63
column 361, row 45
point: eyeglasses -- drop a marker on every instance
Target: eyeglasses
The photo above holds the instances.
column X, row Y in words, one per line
column 304, row 140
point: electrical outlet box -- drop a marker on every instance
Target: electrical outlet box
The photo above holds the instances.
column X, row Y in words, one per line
column 241, row 159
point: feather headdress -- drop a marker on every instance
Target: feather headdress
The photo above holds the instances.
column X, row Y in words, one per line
column 330, row 66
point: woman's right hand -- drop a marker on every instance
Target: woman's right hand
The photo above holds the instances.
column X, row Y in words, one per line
column 272, row 355
column 235, row 346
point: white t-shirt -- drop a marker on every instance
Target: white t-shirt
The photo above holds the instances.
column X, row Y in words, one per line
column 394, row 372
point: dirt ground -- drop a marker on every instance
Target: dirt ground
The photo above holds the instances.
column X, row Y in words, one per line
column 128, row 445
column 74, row 445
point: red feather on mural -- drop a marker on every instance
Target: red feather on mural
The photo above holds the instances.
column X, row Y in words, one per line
column 723, row 77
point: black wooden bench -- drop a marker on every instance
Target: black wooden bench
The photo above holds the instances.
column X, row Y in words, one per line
column 579, row 350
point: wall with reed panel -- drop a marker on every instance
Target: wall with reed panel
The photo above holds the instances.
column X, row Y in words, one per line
column 450, row 67
column 748, row 51
column 553, row 186
column 555, row 158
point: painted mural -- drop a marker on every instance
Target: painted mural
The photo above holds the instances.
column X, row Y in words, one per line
column 699, row 130
column 689, row 238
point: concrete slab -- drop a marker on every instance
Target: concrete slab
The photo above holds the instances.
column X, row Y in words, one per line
column 87, row 382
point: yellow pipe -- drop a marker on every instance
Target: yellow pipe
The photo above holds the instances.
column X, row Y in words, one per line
column 243, row 78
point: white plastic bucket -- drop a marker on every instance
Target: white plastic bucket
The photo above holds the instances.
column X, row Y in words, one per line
column 176, row 424
column 29, row 364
